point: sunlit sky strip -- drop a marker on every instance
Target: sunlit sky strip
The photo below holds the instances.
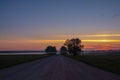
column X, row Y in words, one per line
column 90, row 35
column 55, row 41
column 104, row 35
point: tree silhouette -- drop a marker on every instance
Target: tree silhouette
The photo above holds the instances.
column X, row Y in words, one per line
column 74, row 46
column 63, row 50
column 51, row 50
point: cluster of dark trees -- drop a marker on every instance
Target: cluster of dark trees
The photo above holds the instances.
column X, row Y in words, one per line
column 51, row 50
column 71, row 46
column 63, row 50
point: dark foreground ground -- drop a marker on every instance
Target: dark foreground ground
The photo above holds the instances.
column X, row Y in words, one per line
column 109, row 63
column 11, row 60
column 55, row 68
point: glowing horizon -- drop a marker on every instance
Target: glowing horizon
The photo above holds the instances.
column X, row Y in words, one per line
column 58, row 41
column 42, row 44
column 103, row 35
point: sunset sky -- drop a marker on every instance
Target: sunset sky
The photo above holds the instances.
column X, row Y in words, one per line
column 35, row 24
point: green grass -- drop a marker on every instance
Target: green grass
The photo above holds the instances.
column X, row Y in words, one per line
column 11, row 60
column 110, row 63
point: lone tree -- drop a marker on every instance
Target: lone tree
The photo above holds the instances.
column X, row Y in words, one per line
column 74, row 45
column 51, row 50
column 63, row 50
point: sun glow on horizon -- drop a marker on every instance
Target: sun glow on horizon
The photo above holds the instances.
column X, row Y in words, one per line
column 89, row 35
column 57, row 41
column 96, row 43
column 102, row 40
column 104, row 35
column 103, row 44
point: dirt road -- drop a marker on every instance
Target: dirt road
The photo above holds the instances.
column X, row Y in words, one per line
column 55, row 68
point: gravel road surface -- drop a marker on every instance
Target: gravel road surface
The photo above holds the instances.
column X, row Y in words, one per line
column 55, row 68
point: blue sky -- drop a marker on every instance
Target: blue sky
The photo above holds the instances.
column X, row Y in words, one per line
column 49, row 19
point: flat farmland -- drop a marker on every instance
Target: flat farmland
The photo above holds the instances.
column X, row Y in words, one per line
column 110, row 63
column 11, row 60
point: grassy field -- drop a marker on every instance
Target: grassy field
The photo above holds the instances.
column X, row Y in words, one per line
column 110, row 63
column 10, row 60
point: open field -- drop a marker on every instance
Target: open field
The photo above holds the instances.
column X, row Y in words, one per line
column 10, row 60
column 110, row 63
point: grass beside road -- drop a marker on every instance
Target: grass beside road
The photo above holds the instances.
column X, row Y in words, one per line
column 11, row 60
column 110, row 63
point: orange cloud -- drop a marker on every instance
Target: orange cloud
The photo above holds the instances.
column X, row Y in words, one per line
column 104, row 35
column 54, row 41
column 104, row 40
column 42, row 44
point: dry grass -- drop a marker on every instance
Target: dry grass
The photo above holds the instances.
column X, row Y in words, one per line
column 107, row 62
column 10, row 60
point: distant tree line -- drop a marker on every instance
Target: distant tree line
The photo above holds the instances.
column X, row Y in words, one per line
column 71, row 46
column 51, row 50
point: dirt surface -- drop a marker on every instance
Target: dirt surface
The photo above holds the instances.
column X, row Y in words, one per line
column 55, row 68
